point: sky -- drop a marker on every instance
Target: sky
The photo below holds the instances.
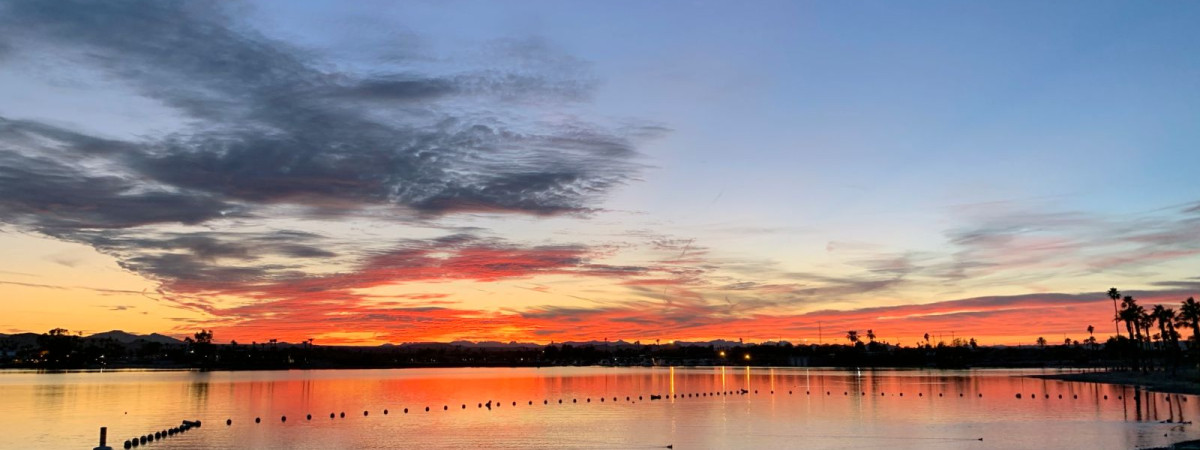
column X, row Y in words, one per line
column 382, row 172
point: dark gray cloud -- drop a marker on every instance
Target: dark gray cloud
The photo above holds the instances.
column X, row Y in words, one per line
column 271, row 126
column 268, row 123
column 54, row 198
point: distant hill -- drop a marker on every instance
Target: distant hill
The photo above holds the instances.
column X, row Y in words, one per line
column 130, row 338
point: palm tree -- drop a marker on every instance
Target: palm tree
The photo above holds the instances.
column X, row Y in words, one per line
column 852, row 335
column 1189, row 316
column 1041, row 342
column 871, row 335
column 1128, row 314
column 1115, row 295
column 1166, row 323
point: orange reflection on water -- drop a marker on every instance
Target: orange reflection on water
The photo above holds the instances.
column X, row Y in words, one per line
column 600, row 407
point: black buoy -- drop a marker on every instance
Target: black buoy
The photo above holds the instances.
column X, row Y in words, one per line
column 589, row 400
column 258, row 420
column 365, row 413
column 464, row 406
column 445, row 407
column 228, row 421
column 283, row 418
column 127, row 444
column 342, row 414
column 920, row 394
column 331, row 415
column 1075, row 396
column 1018, row 395
column 514, row 403
column 308, row 417
column 157, row 435
column 406, row 410
column 385, row 412
column 574, row 400
column 560, row 401
column 531, row 403
column 426, row 409
column 142, row 439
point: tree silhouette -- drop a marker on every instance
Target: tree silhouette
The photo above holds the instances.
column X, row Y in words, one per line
column 1129, row 314
column 1115, row 295
column 1166, row 319
column 852, row 335
column 1189, row 316
column 1041, row 342
column 871, row 335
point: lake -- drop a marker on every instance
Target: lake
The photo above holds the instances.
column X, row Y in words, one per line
column 600, row 408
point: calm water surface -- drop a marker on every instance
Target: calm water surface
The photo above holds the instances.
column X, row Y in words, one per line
column 925, row 409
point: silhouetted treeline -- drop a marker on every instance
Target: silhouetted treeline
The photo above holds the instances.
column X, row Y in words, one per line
column 58, row 349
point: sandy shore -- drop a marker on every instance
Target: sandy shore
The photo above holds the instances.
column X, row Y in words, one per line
column 1183, row 382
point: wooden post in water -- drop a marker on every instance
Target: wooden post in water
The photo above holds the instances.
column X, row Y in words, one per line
column 103, row 440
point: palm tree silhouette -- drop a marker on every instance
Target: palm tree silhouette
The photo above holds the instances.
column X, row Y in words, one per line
column 1189, row 316
column 1115, row 295
column 1163, row 316
column 1129, row 314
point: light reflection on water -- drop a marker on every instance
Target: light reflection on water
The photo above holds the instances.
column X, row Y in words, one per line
column 784, row 408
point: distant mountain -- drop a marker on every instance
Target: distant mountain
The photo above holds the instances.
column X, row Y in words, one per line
column 130, row 338
column 19, row 339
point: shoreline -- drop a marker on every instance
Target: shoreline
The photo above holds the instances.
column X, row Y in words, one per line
column 1184, row 382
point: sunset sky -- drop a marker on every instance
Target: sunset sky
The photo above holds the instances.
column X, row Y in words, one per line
column 371, row 172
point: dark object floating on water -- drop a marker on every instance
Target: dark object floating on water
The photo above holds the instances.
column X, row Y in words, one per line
column 258, row 420
column 653, row 397
column 308, row 417
column 283, row 418
column 364, row 414
column 385, row 412
column 228, row 422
